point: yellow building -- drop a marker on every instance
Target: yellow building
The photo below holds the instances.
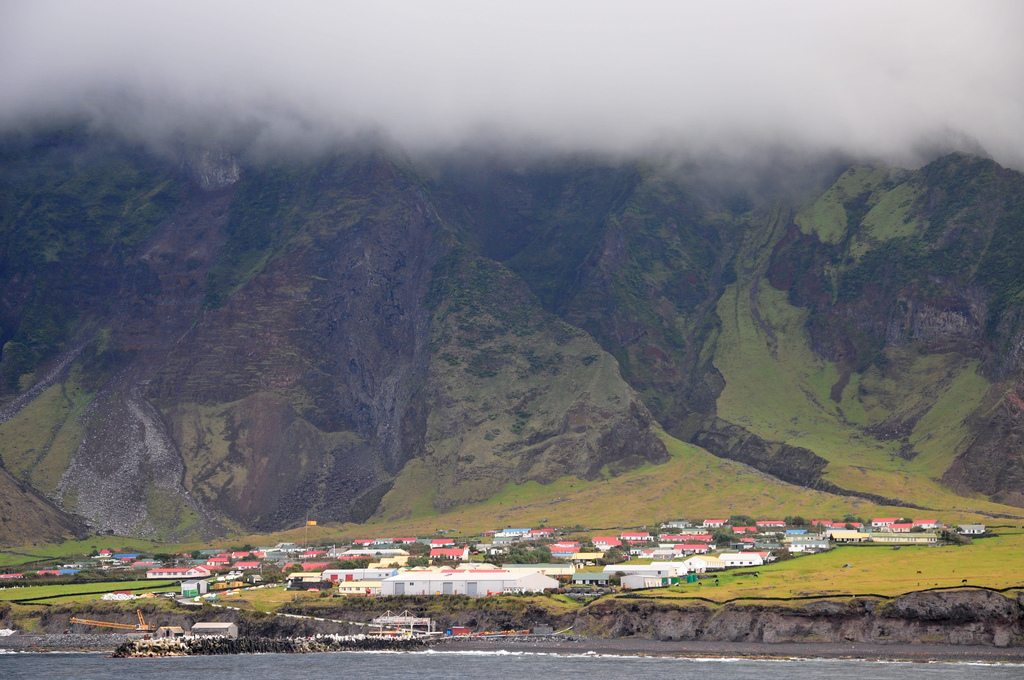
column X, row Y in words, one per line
column 359, row 588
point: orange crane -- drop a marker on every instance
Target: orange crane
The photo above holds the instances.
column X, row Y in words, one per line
column 141, row 626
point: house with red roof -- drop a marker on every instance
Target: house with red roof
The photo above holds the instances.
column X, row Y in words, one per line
column 899, row 527
column 246, row 565
column 406, row 539
column 314, row 566
column 881, row 522
column 179, row 572
column 363, row 541
column 441, row 542
column 691, row 548
column 632, row 537
column 565, row 549
column 771, row 524
column 927, row 523
column 714, row 523
column 450, row 553
column 676, row 538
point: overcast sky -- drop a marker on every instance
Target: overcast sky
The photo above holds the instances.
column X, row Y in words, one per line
column 879, row 78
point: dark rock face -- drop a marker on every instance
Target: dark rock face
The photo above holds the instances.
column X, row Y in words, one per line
column 960, row 618
column 277, row 345
column 993, row 463
column 249, row 343
column 793, row 464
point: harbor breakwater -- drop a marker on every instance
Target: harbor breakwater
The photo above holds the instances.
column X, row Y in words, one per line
column 210, row 646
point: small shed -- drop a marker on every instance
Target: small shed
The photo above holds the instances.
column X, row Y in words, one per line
column 638, row 581
column 194, row 588
column 216, row 628
column 170, row 632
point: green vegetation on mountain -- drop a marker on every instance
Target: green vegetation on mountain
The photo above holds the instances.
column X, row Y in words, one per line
column 368, row 338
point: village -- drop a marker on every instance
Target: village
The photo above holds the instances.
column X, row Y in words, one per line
column 506, row 561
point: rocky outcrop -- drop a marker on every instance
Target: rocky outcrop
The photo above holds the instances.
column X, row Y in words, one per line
column 793, row 464
column 993, row 462
column 966, row 617
column 215, row 646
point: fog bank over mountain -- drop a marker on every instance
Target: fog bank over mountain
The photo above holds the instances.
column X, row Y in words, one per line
column 893, row 80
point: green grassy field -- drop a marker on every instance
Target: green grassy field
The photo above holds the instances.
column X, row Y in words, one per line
column 44, row 552
column 779, row 389
column 79, row 590
column 880, row 570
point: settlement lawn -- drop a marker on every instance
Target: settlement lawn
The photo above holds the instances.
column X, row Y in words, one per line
column 990, row 562
column 78, row 590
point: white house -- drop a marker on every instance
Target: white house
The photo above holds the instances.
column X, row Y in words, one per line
column 699, row 564
column 749, row 559
column 654, row 569
column 807, row 544
column 471, row 582
column 882, row 522
column 971, row 529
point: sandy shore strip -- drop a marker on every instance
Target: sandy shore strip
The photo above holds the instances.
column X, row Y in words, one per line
column 645, row 647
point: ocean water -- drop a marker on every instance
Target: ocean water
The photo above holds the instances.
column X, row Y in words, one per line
column 483, row 666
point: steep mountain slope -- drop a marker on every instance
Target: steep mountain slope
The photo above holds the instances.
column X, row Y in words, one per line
column 285, row 340
column 912, row 285
column 218, row 344
column 775, row 337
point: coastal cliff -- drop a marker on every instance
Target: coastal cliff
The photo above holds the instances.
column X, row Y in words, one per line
column 962, row 617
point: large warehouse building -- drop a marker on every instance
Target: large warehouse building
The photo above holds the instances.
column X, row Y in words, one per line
column 471, row 582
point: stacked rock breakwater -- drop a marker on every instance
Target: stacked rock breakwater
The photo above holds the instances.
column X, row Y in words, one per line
column 208, row 646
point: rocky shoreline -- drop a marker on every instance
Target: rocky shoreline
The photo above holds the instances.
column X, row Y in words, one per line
column 132, row 646
column 215, row 646
column 974, row 624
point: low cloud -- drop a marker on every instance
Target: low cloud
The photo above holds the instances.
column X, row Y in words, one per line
column 898, row 81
